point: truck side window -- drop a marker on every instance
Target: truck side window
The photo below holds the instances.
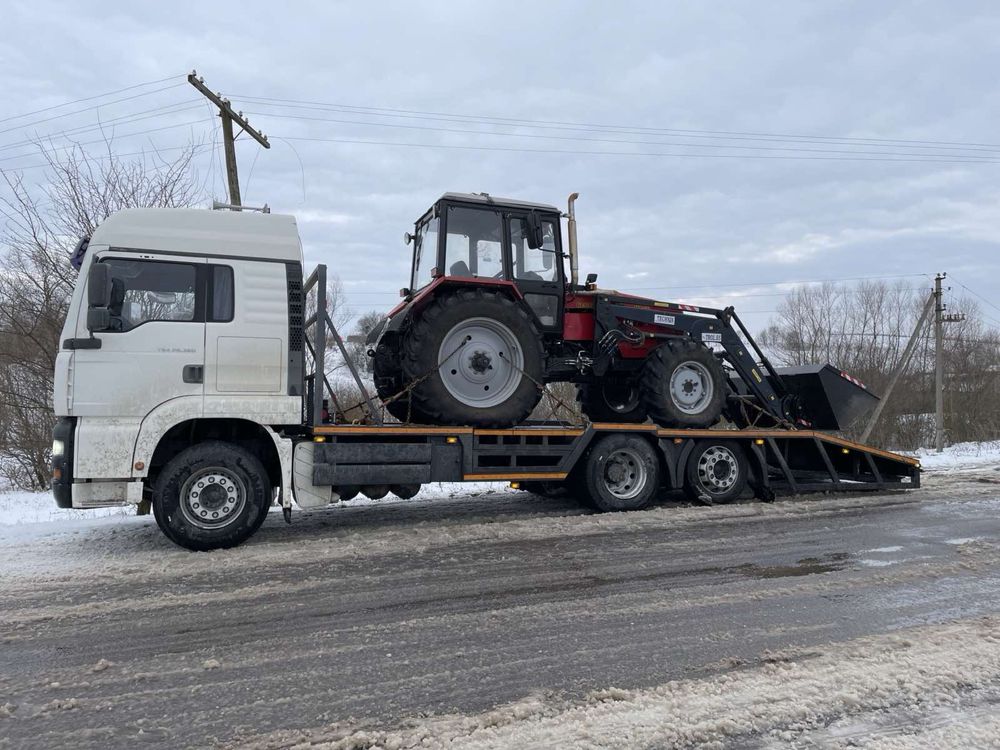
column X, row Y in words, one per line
column 152, row 290
column 222, row 294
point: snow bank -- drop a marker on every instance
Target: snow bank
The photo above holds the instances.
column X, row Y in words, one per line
column 789, row 695
column 18, row 508
column 960, row 456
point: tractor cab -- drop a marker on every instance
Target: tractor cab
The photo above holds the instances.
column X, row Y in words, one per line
column 466, row 236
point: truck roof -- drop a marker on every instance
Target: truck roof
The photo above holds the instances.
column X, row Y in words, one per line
column 491, row 200
column 200, row 231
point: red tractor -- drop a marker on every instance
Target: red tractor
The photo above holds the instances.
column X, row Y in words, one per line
column 490, row 317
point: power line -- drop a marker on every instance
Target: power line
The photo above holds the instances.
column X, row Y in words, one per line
column 575, row 125
column 975, row 294
column 576, row 152
column 115, row 136
column 148, row 152
column 88, row 109
column 368, row 123
column 144, row 114
column 89, row 98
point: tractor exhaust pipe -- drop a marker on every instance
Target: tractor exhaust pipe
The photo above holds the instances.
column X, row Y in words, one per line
column 574, row 259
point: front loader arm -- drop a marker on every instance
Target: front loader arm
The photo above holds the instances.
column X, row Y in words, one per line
column 708, row 326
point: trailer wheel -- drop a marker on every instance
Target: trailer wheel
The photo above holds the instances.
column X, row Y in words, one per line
column 621, row 472
column 683, row 385
column 375, row 491
column 405, row 491
column 612, row 399
column 716, row 470
column 347, row 491
column 213, row 495
column 474, row 358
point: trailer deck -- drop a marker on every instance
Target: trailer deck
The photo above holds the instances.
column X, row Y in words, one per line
column 781, row 461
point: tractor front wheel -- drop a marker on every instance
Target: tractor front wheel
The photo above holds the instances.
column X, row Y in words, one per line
column 612, row 399
column 683, row 385
column 474, row 357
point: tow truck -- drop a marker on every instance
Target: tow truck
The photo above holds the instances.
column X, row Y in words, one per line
column 190, row 381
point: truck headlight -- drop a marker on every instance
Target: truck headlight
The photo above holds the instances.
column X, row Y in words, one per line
column 58, row 448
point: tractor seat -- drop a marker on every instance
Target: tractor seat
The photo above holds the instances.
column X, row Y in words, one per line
column 459, row 268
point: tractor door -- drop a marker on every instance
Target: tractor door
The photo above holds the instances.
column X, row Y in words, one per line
column 537, row 271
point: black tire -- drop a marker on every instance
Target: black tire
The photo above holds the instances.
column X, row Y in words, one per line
column 348, row 491
column 716, row 470
column 612, row 399
column 188, row 519
column 405, row 491
column 427, row 335
column 375, row 491
column 621, row 472
column 707, row 392
column 387, row 372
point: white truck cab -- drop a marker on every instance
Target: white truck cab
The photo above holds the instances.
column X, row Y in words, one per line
column 185, row 326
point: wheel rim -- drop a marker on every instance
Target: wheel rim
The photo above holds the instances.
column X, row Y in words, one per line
column 718, row 470
column 624, row 474
column 481, row 362
column 691, row 387
column 213, row 497
column 620, row 397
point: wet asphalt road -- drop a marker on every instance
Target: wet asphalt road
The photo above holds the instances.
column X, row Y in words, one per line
column 113, row 638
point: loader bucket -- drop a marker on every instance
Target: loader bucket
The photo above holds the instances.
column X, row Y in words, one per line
column 831, row 399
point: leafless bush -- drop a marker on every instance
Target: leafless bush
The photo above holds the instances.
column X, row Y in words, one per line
column 41, row 228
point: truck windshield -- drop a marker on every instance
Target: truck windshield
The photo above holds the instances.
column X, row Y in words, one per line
column 424, row 253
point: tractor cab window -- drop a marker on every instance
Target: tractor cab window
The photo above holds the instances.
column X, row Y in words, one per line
column 474, row 244
column 425, row 253
column 533, row 264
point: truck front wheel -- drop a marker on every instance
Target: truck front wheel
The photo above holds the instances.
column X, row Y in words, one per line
column 213, row 495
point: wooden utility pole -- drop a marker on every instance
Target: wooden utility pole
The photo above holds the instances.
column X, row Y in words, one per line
column 228, row 139
column 939, row 320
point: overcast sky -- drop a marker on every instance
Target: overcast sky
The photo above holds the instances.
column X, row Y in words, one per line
column 697, row 216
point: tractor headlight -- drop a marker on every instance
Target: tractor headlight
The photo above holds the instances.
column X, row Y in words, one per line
column 58, row 448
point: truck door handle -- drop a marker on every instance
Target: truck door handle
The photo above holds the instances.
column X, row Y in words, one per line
column 194, row 373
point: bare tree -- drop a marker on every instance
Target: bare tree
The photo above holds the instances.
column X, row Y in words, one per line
column 864, row 330
column 41, row 228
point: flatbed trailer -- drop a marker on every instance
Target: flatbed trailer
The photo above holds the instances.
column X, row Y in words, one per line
column 542, row 454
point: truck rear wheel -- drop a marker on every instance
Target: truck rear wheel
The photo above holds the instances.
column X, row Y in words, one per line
column 612, row 399
column 213, row 495
column 474, row 357
column 621, row 472
column 717, row 471
column 683, row 385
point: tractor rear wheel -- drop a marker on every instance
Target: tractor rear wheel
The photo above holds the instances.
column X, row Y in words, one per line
column 683, row 385
column 612, row 399
column 388, row 375
column 474, row 357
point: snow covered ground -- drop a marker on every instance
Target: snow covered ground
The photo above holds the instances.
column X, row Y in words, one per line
column 29, row 508
column 960, row 456
column 932, row 686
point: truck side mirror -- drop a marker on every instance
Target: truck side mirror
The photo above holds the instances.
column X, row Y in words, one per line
column 536, row 233
column 99, row 293
column 99, row 285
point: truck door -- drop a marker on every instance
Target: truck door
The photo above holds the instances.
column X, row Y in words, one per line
column 155, row 353
column 537, row 271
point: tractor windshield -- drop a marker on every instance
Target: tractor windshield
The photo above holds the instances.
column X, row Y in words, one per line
column 474, row 246
column 425, row 253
